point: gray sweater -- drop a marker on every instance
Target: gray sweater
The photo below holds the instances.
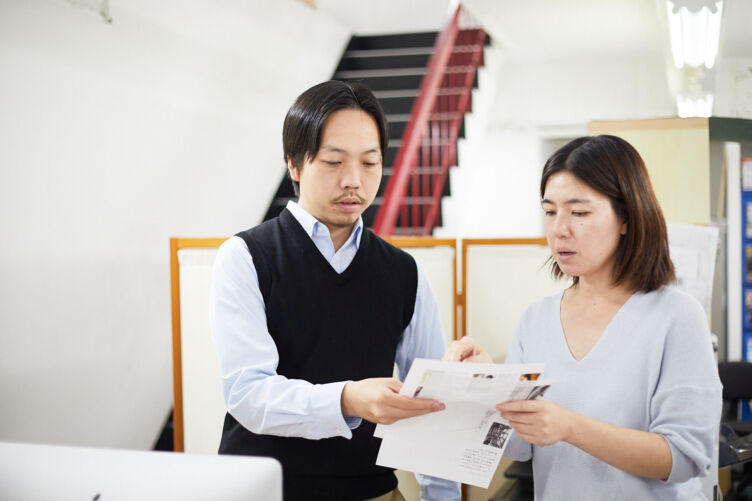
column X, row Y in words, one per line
column 652, row 369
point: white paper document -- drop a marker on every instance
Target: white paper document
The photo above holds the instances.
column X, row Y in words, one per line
column 465, row 441
column 693, row 252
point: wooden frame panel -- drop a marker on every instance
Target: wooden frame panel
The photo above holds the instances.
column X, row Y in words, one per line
column 466, row 243
column 418, row 242
column 177, row 244
column 177, row 355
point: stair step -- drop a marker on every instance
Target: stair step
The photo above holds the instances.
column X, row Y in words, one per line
column 389, row 83
column 395, row 105
column 397, row 129
column 402, row 51
column 402, row 93
column 391, row 58
column 396, row 72
column 382, row 62
column 400, row 83
column 405, row 117
column 396, row 41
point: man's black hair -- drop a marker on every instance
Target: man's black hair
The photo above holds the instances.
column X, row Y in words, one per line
column 301, row 132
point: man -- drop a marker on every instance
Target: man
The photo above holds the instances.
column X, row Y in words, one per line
column 310, row 311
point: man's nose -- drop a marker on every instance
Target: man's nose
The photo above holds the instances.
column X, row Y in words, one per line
column 350, row 175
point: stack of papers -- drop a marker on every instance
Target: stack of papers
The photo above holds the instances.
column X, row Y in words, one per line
column 465, row 441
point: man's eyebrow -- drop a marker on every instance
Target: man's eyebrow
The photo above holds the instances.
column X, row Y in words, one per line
column 570, row 201
column 329, row 147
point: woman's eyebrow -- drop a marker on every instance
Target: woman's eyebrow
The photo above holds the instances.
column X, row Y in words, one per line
column 570, row 201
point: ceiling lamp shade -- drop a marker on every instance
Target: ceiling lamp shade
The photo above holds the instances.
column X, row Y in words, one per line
column 694, row 31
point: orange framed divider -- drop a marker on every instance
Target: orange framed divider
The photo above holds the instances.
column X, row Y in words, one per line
column 469, row 242
column 177, row 355
column 177, row 244
column 462, row 281
column 429, row 242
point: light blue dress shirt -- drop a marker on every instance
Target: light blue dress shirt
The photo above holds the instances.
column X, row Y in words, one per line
column 268, row 403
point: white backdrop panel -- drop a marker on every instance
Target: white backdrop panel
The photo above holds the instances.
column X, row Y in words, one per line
column 203, row 403
column 439, row 265
column 502, row 280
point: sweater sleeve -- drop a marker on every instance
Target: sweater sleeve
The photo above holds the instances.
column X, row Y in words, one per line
column 685, row 407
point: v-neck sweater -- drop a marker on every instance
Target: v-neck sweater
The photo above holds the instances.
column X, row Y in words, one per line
column 327, row 327
column 652, row 369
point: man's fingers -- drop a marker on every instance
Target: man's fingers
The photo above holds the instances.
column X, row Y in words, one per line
column 394, row 407
column 414, row 404
column 393, row 384
column 400, row 413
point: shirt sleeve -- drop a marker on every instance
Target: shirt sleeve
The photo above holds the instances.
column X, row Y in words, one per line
column 685, row 407
column 423, row 338
column 256, row 396
column 517, row 449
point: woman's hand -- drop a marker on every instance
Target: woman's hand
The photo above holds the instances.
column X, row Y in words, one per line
column 538, row 422
column 541, row 422
column 466, row 350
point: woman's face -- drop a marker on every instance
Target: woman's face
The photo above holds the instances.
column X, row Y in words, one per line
column 582, row 228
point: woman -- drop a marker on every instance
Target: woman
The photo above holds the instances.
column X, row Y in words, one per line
column 635, row 403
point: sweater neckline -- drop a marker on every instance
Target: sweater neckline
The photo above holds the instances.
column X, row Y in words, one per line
column 602, row 339
column 319, row 259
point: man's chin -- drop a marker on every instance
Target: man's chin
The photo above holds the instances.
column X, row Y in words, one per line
column 345, row 220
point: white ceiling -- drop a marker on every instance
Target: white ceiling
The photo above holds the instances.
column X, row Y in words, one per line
column 574, row 29
column 547, row 29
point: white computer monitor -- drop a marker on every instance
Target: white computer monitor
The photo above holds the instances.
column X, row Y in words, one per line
column 36, row 472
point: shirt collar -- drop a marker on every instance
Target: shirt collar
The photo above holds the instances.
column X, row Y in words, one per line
column 311, row 225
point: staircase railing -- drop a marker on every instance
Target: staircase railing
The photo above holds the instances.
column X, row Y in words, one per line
column 410, row 205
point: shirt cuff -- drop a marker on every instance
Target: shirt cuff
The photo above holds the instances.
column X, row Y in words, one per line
column 327, row 402
column 438, row 489
column 353, row 422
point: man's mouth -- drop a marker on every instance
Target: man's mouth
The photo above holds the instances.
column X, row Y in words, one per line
column 349, row 203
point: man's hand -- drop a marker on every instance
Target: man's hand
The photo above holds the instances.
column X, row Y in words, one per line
column 538, row 422
column 466, row 350
column 378, row 400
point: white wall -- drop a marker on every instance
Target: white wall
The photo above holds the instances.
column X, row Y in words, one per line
column 734, row 87
column 378, row 17
column 114, row 137
column 535, row 103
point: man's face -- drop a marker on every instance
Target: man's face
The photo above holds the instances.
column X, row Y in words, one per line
column 341, row 181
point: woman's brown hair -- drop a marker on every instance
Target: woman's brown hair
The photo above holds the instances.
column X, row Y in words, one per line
column 613, row 167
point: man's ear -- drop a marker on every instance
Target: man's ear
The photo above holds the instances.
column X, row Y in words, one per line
column 294, row 171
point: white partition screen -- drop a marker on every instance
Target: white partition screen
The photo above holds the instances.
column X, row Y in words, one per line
column 199, row 405
column 203, row 404
column 501, row 280
column 439, row 263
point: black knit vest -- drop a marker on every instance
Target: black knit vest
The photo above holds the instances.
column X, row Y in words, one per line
column 327, row 327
